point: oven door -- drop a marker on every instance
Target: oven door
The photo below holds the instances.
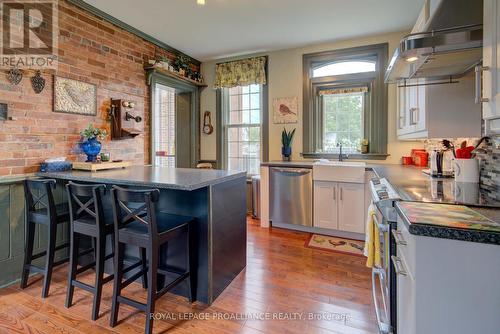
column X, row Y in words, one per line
column 380, row 278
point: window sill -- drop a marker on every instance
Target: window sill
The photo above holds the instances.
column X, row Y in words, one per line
column 357, row 156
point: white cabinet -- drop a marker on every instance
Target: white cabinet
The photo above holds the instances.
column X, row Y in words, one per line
column 491, row 63
column 438, row 111
column 411, row 108
column 446, row 286
column 351, row 207
column 339, row 206
column 325, row 204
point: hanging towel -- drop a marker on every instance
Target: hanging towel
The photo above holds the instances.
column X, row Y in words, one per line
column 372, row 240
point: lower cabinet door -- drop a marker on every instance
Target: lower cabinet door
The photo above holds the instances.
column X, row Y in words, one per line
column 325, row 204
column 351, row 207
column 406, row 321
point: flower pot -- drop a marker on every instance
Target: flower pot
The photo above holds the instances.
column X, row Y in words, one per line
column 91, row 147
column 286, row 153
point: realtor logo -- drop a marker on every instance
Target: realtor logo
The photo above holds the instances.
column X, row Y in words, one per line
column 29, row 34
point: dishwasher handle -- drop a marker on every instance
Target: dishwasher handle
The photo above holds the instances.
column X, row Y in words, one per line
column 298, row 171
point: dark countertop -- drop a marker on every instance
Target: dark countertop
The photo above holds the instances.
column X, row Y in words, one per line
column 413, row 185
column 149, row 176
column 447, row 221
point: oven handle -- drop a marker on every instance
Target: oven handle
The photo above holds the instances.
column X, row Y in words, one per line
column 398, row 238
column 381, row 227
column 384, row 328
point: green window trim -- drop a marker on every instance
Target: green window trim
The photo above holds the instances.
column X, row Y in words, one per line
column 264, row 126
column 153, row 78
column 376, row 116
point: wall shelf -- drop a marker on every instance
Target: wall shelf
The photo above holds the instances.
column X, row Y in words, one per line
column 153, row 69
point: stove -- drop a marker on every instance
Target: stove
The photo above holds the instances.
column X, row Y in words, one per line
column 384, row 278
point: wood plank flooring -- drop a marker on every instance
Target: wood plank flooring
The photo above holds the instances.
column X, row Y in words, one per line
column 300, row 290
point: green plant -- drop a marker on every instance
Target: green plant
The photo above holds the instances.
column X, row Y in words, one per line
column 181, row 62
column 91, row 132
column 287, row 137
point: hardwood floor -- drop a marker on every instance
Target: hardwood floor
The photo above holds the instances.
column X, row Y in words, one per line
column 282, row 279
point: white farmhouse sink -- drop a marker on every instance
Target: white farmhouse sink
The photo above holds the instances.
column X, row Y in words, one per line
column 339, row 171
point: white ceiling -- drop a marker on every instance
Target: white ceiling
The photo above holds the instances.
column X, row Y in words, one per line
column 224, row 28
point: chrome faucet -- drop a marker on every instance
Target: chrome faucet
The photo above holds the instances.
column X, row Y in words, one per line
column 341, row 156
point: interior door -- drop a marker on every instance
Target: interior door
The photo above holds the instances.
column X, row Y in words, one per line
column 183, row 130
column 325, row 204
column 351, row 207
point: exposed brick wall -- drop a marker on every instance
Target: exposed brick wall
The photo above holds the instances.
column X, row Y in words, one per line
column 93, row 51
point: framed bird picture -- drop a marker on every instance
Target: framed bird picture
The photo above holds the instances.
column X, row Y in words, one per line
column 74, row 97
column 286, row 110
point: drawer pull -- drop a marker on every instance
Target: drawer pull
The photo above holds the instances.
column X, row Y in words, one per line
column 398, row 266
column 398, row 238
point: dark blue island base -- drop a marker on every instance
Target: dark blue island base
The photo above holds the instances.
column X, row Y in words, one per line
column 217, row 199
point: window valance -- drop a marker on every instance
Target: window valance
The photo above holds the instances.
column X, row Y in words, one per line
column 350, row 90
column 241, row 73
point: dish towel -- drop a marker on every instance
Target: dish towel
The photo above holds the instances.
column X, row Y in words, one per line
column 372, row 240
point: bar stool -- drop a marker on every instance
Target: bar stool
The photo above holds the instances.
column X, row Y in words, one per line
column 138, row 223
column 87, row 218
column 42, row 210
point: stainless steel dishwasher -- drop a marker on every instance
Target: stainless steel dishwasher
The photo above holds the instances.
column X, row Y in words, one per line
column 290, row 192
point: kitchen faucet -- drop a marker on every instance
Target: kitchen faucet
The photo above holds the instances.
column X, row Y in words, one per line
column 341, row 156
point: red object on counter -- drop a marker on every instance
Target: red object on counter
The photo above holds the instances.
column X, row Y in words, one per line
column 420, row 158
column 407, row 161
column 464, row 152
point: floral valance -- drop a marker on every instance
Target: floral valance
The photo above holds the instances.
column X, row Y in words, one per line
column 348, row 90
column 241, row 73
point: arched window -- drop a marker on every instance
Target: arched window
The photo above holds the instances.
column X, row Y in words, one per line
column 345, row 103
column 344, row 67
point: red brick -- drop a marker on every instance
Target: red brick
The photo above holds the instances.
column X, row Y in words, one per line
column 93, row 51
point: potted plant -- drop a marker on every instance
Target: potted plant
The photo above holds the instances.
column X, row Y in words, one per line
column 91, row 146
column 286, row 144
column 181, row 64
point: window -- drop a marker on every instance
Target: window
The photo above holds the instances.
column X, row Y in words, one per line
column 343, row 120
column 345, row 67
column 345, row 101
column 164, row 131
column 242, row 115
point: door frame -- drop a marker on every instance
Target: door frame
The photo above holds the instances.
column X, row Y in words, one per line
column 154, row 78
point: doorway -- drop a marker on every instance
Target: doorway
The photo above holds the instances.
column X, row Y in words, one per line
column 174, row 125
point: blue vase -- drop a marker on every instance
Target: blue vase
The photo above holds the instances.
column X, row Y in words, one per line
column 286, row 153
column 91, row 148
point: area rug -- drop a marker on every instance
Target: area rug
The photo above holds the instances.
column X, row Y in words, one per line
column 335, row 244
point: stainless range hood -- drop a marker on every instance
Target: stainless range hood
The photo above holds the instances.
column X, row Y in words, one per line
column 449, row 46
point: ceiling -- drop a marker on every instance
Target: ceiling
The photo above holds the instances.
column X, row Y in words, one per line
column 225, row 28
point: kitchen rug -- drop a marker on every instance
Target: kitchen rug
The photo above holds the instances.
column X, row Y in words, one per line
column 335, row 244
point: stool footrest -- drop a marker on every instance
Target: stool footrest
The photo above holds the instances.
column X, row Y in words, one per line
column 33, row 268
column 133, row 303
column 132, row 278
column 43, row 253
column 83, row 286
column 132, row 266
column 172, row 284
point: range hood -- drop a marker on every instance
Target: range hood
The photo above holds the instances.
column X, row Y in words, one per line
column 449, row 45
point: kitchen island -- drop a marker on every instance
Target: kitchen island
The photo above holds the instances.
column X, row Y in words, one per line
column 215, row 198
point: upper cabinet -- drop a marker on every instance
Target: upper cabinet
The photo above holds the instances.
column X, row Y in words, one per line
column 490, row 70
column 446, row 110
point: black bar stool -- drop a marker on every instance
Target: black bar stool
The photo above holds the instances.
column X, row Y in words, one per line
column 87, row 218
column 137, row 223
column 42, row 210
